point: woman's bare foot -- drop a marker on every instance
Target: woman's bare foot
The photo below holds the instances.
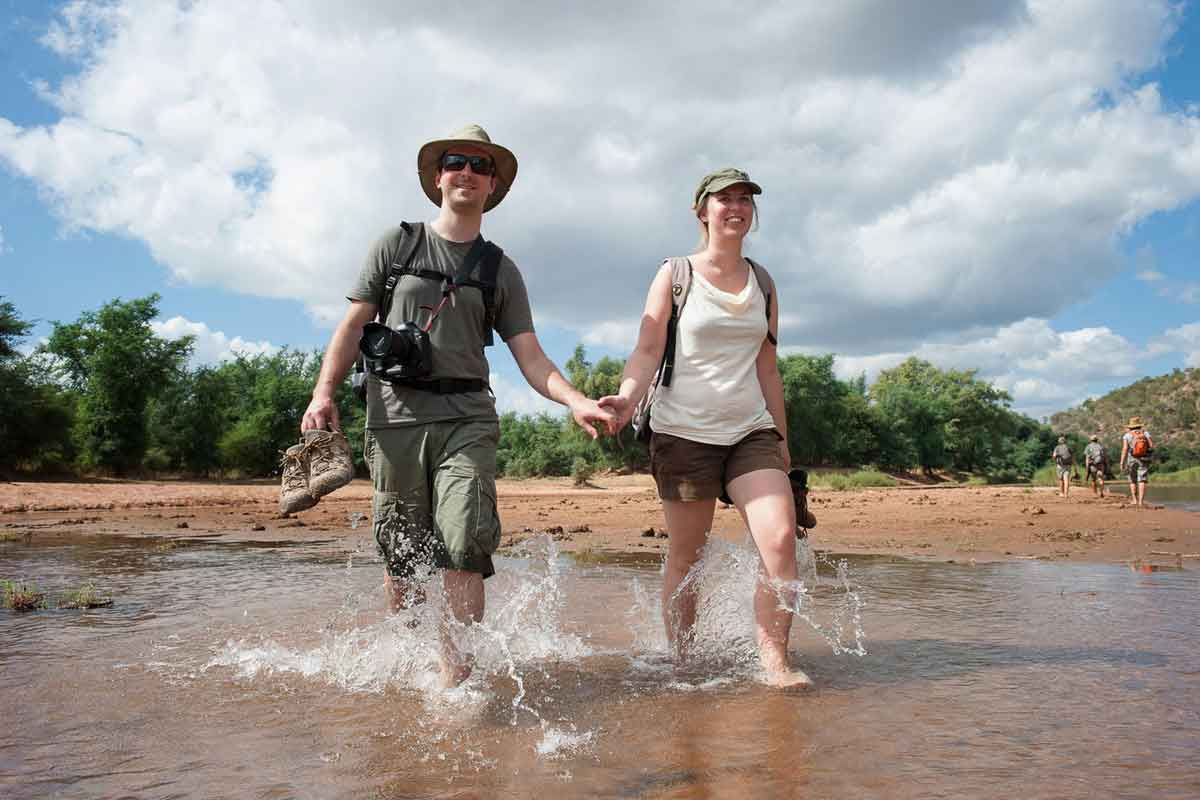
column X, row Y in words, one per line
column 776, row 670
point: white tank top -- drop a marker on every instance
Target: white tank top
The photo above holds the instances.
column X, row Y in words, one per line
column 714, row 396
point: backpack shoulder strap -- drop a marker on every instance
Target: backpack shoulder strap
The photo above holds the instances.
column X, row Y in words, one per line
column 767, row 286
column 681, row 285
column 487, row 255
column 411, row 235
column 489, row 270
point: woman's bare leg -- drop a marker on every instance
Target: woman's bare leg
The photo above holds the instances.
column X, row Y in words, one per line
column 688, row 525
column 765, row 499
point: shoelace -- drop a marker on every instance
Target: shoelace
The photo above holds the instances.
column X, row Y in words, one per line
column 292, row 464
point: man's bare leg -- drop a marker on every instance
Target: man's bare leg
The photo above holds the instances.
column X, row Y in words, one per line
column 463, row 608
column 402, row 594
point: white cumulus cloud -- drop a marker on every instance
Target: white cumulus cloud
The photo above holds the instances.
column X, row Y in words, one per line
column 1043, row 370
column 211, row 346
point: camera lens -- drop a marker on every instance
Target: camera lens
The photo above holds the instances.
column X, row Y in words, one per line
column 376, row 340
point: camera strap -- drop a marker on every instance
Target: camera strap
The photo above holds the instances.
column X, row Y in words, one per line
column 412, row 236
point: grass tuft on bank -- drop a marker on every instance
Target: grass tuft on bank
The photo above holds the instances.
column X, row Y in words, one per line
column 840, row 482
column 22, row 596
column 85, row 596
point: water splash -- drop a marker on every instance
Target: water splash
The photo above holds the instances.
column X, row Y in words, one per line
column 560, row 743
column 522, row 626
column 724, row 581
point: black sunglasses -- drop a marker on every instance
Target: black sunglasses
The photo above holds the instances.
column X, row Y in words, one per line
column 480, row 165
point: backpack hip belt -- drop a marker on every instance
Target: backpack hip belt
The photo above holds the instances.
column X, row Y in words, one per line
column 443, row 385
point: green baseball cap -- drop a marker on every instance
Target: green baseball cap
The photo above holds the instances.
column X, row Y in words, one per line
column 722, row 179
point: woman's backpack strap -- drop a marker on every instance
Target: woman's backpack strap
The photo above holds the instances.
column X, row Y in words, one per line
column 681, row 284
column 768, row 289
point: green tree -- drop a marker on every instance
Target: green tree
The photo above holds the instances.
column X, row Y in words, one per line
column 35, row 414
column 187, row 420
column 940, row 418
column 117, row 363
column 270, row 393
column 622, row 451
column 829, row 420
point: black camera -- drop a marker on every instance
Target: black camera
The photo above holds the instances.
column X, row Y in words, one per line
column 396, row 353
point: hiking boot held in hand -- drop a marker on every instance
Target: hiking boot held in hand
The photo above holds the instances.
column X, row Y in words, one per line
column 294, row 494
column 331, row 464
column 804, row 518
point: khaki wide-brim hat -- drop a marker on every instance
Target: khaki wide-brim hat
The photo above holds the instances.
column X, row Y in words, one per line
column 1095, row 438
column 430, row 155
column 1134, row 422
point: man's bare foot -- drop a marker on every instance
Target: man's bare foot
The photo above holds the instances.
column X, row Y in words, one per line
column 454, row 675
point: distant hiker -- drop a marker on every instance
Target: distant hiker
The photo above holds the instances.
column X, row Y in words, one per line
column 718, row 419
column 1136, row 450
column 1095, row 459
column 424, row 307
column 1064, row 461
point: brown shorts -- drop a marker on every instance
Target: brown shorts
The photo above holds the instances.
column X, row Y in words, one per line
column 685, row 470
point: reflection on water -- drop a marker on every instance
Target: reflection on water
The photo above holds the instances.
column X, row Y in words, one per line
column 227, row 670
column 1171, row 495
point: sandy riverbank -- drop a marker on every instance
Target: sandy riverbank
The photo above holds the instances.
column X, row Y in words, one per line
column 955, row 523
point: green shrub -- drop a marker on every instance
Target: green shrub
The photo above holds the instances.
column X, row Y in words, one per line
column 581, row 471
column 1045, row 476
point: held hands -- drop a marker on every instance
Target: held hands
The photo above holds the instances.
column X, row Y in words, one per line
column 621, row 408
column 588, row 414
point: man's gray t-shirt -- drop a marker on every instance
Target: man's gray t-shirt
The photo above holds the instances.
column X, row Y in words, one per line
column 1094, row 453
column 457, row 335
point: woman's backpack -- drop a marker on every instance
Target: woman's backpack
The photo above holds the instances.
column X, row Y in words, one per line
column 1140, row 446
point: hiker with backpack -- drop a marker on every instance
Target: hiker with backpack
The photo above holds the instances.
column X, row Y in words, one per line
column 1064, row 460
column 424, row 306
column 1136, row 449
column 717, row 424
column 1095, row 459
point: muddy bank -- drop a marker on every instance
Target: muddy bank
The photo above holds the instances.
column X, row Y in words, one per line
column 617, row 513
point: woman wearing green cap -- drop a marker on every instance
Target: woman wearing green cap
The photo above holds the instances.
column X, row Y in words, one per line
column 718, row 420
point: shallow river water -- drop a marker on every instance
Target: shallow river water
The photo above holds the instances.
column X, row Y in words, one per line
column 239, row 670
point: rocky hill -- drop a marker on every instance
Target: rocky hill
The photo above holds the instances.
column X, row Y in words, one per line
column 1169, row 405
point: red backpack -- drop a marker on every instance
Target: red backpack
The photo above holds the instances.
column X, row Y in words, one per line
column 1140, row 447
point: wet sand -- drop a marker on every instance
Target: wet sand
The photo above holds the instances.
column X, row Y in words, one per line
column 622, row 514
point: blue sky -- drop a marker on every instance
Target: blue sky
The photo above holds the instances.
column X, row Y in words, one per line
column 1005, row 186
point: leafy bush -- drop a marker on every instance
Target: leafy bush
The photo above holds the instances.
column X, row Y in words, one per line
column 581, row 471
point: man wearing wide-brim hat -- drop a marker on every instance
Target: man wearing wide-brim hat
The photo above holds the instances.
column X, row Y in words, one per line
column 432, row 429
column 1136, row 450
